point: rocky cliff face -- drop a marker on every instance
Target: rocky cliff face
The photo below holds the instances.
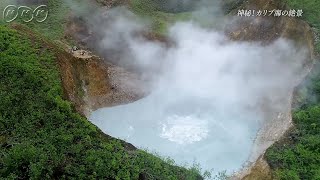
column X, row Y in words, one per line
column 91, row 83
column 88, row 81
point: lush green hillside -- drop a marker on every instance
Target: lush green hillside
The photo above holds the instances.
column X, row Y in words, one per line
column 155, row 12
column 297, row 156
column 42, row 137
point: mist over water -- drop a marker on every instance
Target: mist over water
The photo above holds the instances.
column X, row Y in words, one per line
column 185, row 132
column 207, row 95
column 184, row 127
column 206, row 104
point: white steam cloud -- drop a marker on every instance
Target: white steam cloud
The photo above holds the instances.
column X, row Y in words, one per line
column 208, row 93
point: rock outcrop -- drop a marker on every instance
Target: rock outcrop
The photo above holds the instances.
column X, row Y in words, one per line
column 88, row 81
column 91, row 83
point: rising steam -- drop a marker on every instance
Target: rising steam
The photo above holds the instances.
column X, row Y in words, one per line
column 208, row 92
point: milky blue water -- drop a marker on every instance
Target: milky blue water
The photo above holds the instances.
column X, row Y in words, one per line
column 186, row 128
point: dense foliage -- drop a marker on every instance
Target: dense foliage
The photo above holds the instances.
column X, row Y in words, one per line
column 297, row 156
column 42, row 137
column 154, row 11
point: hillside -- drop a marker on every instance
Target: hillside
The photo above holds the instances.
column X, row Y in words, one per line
column 43, row 137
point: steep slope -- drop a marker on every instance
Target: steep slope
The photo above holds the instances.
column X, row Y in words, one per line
column 42, row 137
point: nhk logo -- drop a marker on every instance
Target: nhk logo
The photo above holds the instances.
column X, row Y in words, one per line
column 25, row 13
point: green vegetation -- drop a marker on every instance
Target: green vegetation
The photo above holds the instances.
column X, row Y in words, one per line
column 156, row 14
column 297, row 156
column 311, row 13
column 230, row 5
column 163, row 13
column 42, row 137
column 53, row 26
